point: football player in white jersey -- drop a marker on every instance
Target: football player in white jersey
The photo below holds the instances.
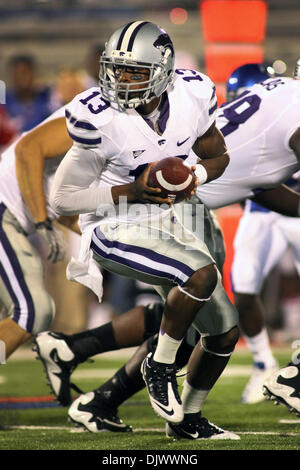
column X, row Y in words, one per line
column 118, row 131
column 261, row 239
column 216, row 198
column 26, row 171
column 249, row 184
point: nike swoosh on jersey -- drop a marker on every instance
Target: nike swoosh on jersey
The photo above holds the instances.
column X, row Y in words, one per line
column 181, row 143
column 169, row 411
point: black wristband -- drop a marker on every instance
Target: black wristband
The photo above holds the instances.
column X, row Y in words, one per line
column 47, row 223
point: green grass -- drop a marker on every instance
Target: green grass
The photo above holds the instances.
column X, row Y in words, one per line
column 223, row 407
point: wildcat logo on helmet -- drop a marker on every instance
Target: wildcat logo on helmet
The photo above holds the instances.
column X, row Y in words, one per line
column 164, row 41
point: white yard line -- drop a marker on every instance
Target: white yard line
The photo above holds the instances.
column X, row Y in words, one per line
column 86, row 374
column 289, row 421
column 158, row 430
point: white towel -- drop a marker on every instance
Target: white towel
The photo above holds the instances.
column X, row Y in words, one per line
column 85, row 269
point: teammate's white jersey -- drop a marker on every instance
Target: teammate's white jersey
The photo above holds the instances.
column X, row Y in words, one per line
column 124, row 143
column 257, row 127
column 10, row 193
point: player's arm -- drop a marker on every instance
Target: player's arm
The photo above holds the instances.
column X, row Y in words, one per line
column 282, row 199
column 294, row 143
column 211, row 148
column 72, row 193
column 49, row 140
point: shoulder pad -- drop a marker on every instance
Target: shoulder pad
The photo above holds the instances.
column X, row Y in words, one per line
column 86, row 114
column 196, row 83
column 199, row 86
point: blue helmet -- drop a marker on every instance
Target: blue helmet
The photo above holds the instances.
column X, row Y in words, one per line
column 245, row 76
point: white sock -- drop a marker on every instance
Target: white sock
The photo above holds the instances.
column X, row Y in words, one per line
column 167, row 348
column 259, row 346
column 192, row 398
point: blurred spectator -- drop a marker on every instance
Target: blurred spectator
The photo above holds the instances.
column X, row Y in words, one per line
column 92, row 64
column 69, row 83
column 26, row 102
column 7, row 130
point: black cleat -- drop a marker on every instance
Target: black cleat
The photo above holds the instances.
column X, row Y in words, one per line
column 194, row 426
column 59, row 362
column 88, row 412
column 162, row 388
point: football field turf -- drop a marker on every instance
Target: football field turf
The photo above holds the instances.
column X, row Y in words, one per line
column 261, row 426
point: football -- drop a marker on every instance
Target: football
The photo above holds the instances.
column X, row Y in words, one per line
column 173, row 177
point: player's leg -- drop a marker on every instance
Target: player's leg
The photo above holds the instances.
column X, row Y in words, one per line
column 218, row 323
column 98, row 410
column 258, row 246
column 161, row 260
column 12, row 335
column 61, row 353
column 22, row 288
column 291, row 260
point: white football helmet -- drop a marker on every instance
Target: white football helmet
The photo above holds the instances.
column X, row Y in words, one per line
column 139, row 44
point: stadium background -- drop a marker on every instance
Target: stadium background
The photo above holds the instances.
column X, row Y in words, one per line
column 213, row 36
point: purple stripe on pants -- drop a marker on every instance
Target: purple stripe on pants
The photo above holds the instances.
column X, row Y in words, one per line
column 14, row 262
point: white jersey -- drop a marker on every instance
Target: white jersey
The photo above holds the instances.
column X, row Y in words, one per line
column 125, row 143
column 257, row 127
column 10, row 193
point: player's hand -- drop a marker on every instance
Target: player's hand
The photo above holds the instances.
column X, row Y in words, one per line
column 140, row 190
column 193, row 191
column 54, row 238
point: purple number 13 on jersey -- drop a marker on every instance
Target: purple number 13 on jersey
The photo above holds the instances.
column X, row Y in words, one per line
column 239, row 111
column 99, row 107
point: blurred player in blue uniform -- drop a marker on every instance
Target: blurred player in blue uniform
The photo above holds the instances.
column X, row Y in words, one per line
column 261, row 239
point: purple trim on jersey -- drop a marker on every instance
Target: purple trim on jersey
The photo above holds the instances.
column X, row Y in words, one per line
column 213, row 93
column 146, row 252
column 134, row 34
column 164, row 109
column 164, row 112
column 80, row 124
column 17, row 270
column 81, row 140
column 212, row 110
